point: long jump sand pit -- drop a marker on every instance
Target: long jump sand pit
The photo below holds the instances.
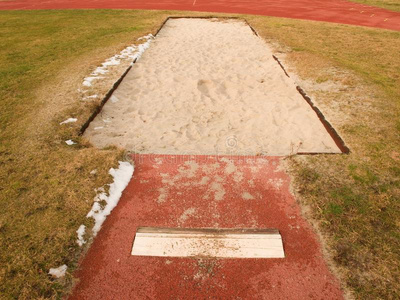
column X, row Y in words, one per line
column 207, row 86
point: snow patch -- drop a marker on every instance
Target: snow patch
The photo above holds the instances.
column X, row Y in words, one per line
column 58, row 272
column 81, row 232
column 143, row 47
column 99, row 70
column 146, row 37
column 99, row 212
column 70, row 142
column 91, row 97
column 132, row 52
column 88, row 80
column 69, row 120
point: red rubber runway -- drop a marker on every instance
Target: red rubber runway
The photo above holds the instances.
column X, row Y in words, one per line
column 198, row 192
column 337, row 11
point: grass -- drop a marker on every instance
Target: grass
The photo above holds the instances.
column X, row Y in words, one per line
column 355, row 198
column 46, row 188
column 388, row 4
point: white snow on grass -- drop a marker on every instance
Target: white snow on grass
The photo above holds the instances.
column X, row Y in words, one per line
column 100, row 70
column 132, row 52
column 81, row 232
column 70, row 142
column 112, row 61
column 88, row 80
column 144, row 46
column 99, row 211
column 58, row 272
column 90, row 97
column 69, row 120
column 146, row 37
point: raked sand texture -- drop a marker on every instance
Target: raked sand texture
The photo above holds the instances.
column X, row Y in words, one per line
column 209, row 87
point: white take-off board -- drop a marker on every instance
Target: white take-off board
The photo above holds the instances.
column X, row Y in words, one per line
column 222, row 243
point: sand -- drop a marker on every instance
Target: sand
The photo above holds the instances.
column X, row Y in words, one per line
column 209, row 87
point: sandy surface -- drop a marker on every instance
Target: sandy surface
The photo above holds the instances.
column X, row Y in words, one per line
column 208, row 87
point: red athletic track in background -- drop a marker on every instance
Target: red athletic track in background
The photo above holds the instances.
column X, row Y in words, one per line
column 198, row 192
column 337, row 11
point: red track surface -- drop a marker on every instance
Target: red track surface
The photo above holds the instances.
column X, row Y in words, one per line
column 168, row 191
column 337, row 11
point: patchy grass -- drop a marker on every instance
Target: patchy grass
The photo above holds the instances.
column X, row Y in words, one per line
column 46, row 188
column 356, row 197
column 388, row 4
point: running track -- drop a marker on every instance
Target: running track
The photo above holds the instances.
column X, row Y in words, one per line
column 205, row 192
column 337, row 11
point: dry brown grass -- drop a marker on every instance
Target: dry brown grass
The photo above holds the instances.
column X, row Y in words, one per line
column 46, row 187
column 353, row 74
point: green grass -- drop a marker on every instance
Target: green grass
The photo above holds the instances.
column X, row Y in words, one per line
column 388, row 4
column 46, row 189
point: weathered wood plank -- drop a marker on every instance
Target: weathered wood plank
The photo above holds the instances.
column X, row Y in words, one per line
column 233, row 243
